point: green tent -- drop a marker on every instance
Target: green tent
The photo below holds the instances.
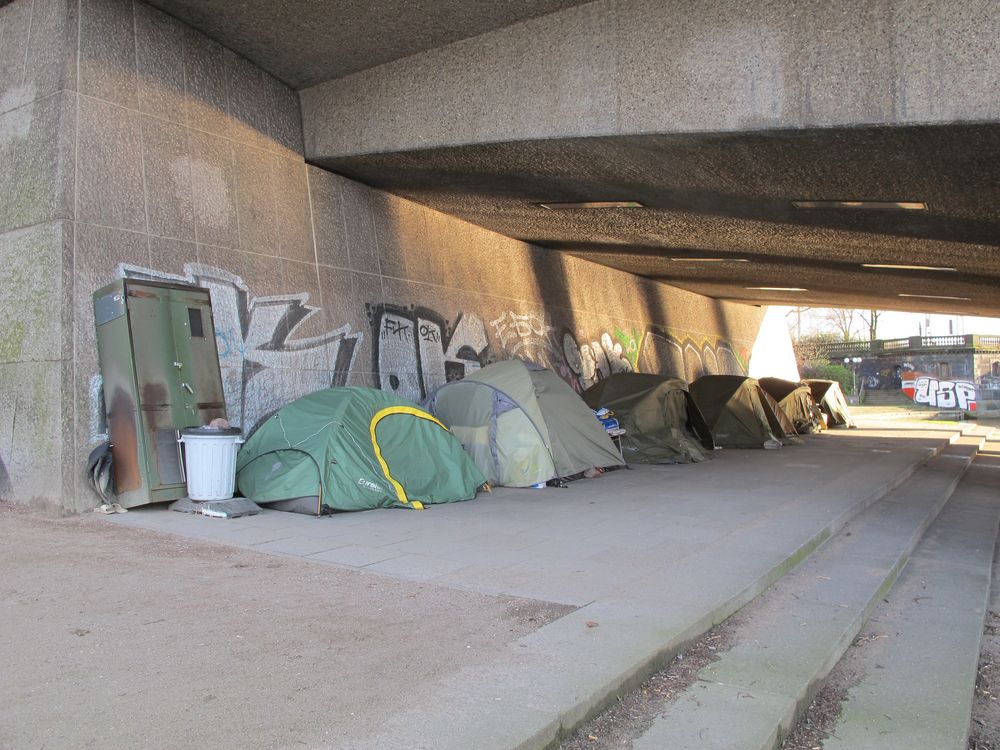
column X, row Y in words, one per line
column 830, row 397
column 352, row 449
column 522, row 424
column 739, row 412
column 662, row 422
column 796, row 401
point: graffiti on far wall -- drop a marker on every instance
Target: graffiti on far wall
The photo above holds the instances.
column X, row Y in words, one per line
column 943, row 394
column 415, row 349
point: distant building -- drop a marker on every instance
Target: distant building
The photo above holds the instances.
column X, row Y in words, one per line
column 944, row 371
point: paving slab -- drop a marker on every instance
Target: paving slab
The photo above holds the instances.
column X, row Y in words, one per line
column 796, row 632
column 929, row 633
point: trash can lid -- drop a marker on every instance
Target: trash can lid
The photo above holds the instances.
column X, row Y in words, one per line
column 210, row 431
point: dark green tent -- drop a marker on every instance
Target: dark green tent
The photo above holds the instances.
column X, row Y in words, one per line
column 662, row 422
column 739, row 412
column 796, row 401
column 352, row 449
column 830, row 397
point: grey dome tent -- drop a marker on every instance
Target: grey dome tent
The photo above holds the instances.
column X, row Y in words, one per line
column 830, row 397
column 796, row 401
column 739, row 412
column 522, row 424
column 662, row 422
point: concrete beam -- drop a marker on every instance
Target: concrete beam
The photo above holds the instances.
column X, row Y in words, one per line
column 617, row 67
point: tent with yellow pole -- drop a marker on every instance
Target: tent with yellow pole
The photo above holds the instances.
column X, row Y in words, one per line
column 353, row 449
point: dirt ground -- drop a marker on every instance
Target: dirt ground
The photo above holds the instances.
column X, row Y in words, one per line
column 984, row 731
column 115, row 637
column 820, row 719
column 636, row 711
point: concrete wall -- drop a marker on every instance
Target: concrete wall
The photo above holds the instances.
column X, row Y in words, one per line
column 616, row 67
column 163, row 154
column 37, row 118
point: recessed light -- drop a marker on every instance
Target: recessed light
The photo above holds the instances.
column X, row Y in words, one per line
column 866, row 205
column 936, row 296
column 907, row 268
column 591, row 204
column 777, row 288
column 710, row 260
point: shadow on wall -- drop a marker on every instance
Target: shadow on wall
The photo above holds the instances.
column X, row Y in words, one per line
column 6, row 488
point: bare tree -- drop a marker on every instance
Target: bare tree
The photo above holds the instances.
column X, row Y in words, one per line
column 870, row 319
column 841, row 320
column 795, row 323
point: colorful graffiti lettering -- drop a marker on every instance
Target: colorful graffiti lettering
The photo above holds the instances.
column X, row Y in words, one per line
column 631, row 343
column 944, row 394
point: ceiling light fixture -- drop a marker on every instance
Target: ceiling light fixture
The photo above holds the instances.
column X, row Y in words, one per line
column 591, row 204
column 777, row 288
column 897, row 267
column 710, row 260
column 936, row 296
column 865, row 205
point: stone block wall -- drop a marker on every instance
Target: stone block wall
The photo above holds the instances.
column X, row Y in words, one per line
column 143, row 148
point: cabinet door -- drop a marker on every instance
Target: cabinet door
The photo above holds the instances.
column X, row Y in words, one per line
column 194, row 341
column 153, row 347
column 158, row 394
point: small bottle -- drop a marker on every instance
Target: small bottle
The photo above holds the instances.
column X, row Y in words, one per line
column 538, row 486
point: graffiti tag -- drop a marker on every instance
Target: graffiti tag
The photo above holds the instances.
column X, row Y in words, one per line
column 944, row 394
column 414, row 365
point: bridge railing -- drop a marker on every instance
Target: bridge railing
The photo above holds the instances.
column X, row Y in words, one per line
column 840, row 349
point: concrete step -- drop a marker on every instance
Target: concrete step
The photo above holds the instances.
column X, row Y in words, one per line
column 883, row 398
column 920, row 656
column 793, row 635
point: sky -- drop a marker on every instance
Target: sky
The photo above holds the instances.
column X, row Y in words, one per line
column 893, row 325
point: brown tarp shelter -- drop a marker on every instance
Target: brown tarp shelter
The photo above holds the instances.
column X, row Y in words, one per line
column 830, row 397
column 739, row 412
column 796, row 401
column 662, row 422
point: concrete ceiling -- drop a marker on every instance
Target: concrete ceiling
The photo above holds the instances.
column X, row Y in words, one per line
column 304, row 42
column 729, row 195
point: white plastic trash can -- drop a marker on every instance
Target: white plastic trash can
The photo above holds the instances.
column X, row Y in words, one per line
column 210, row 462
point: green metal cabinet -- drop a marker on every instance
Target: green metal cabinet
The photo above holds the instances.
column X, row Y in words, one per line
column 158, row 357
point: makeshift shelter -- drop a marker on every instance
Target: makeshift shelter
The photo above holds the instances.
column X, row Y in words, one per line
column 662, row 422
column 796, row 401
column 830, row 397
column 739, row 412
column 522, row 424
column 352, row 449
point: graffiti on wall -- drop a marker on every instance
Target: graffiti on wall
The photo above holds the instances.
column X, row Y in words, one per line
column 416, row 350
column 943, row 394
column 265, row 362
column 688, row 358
